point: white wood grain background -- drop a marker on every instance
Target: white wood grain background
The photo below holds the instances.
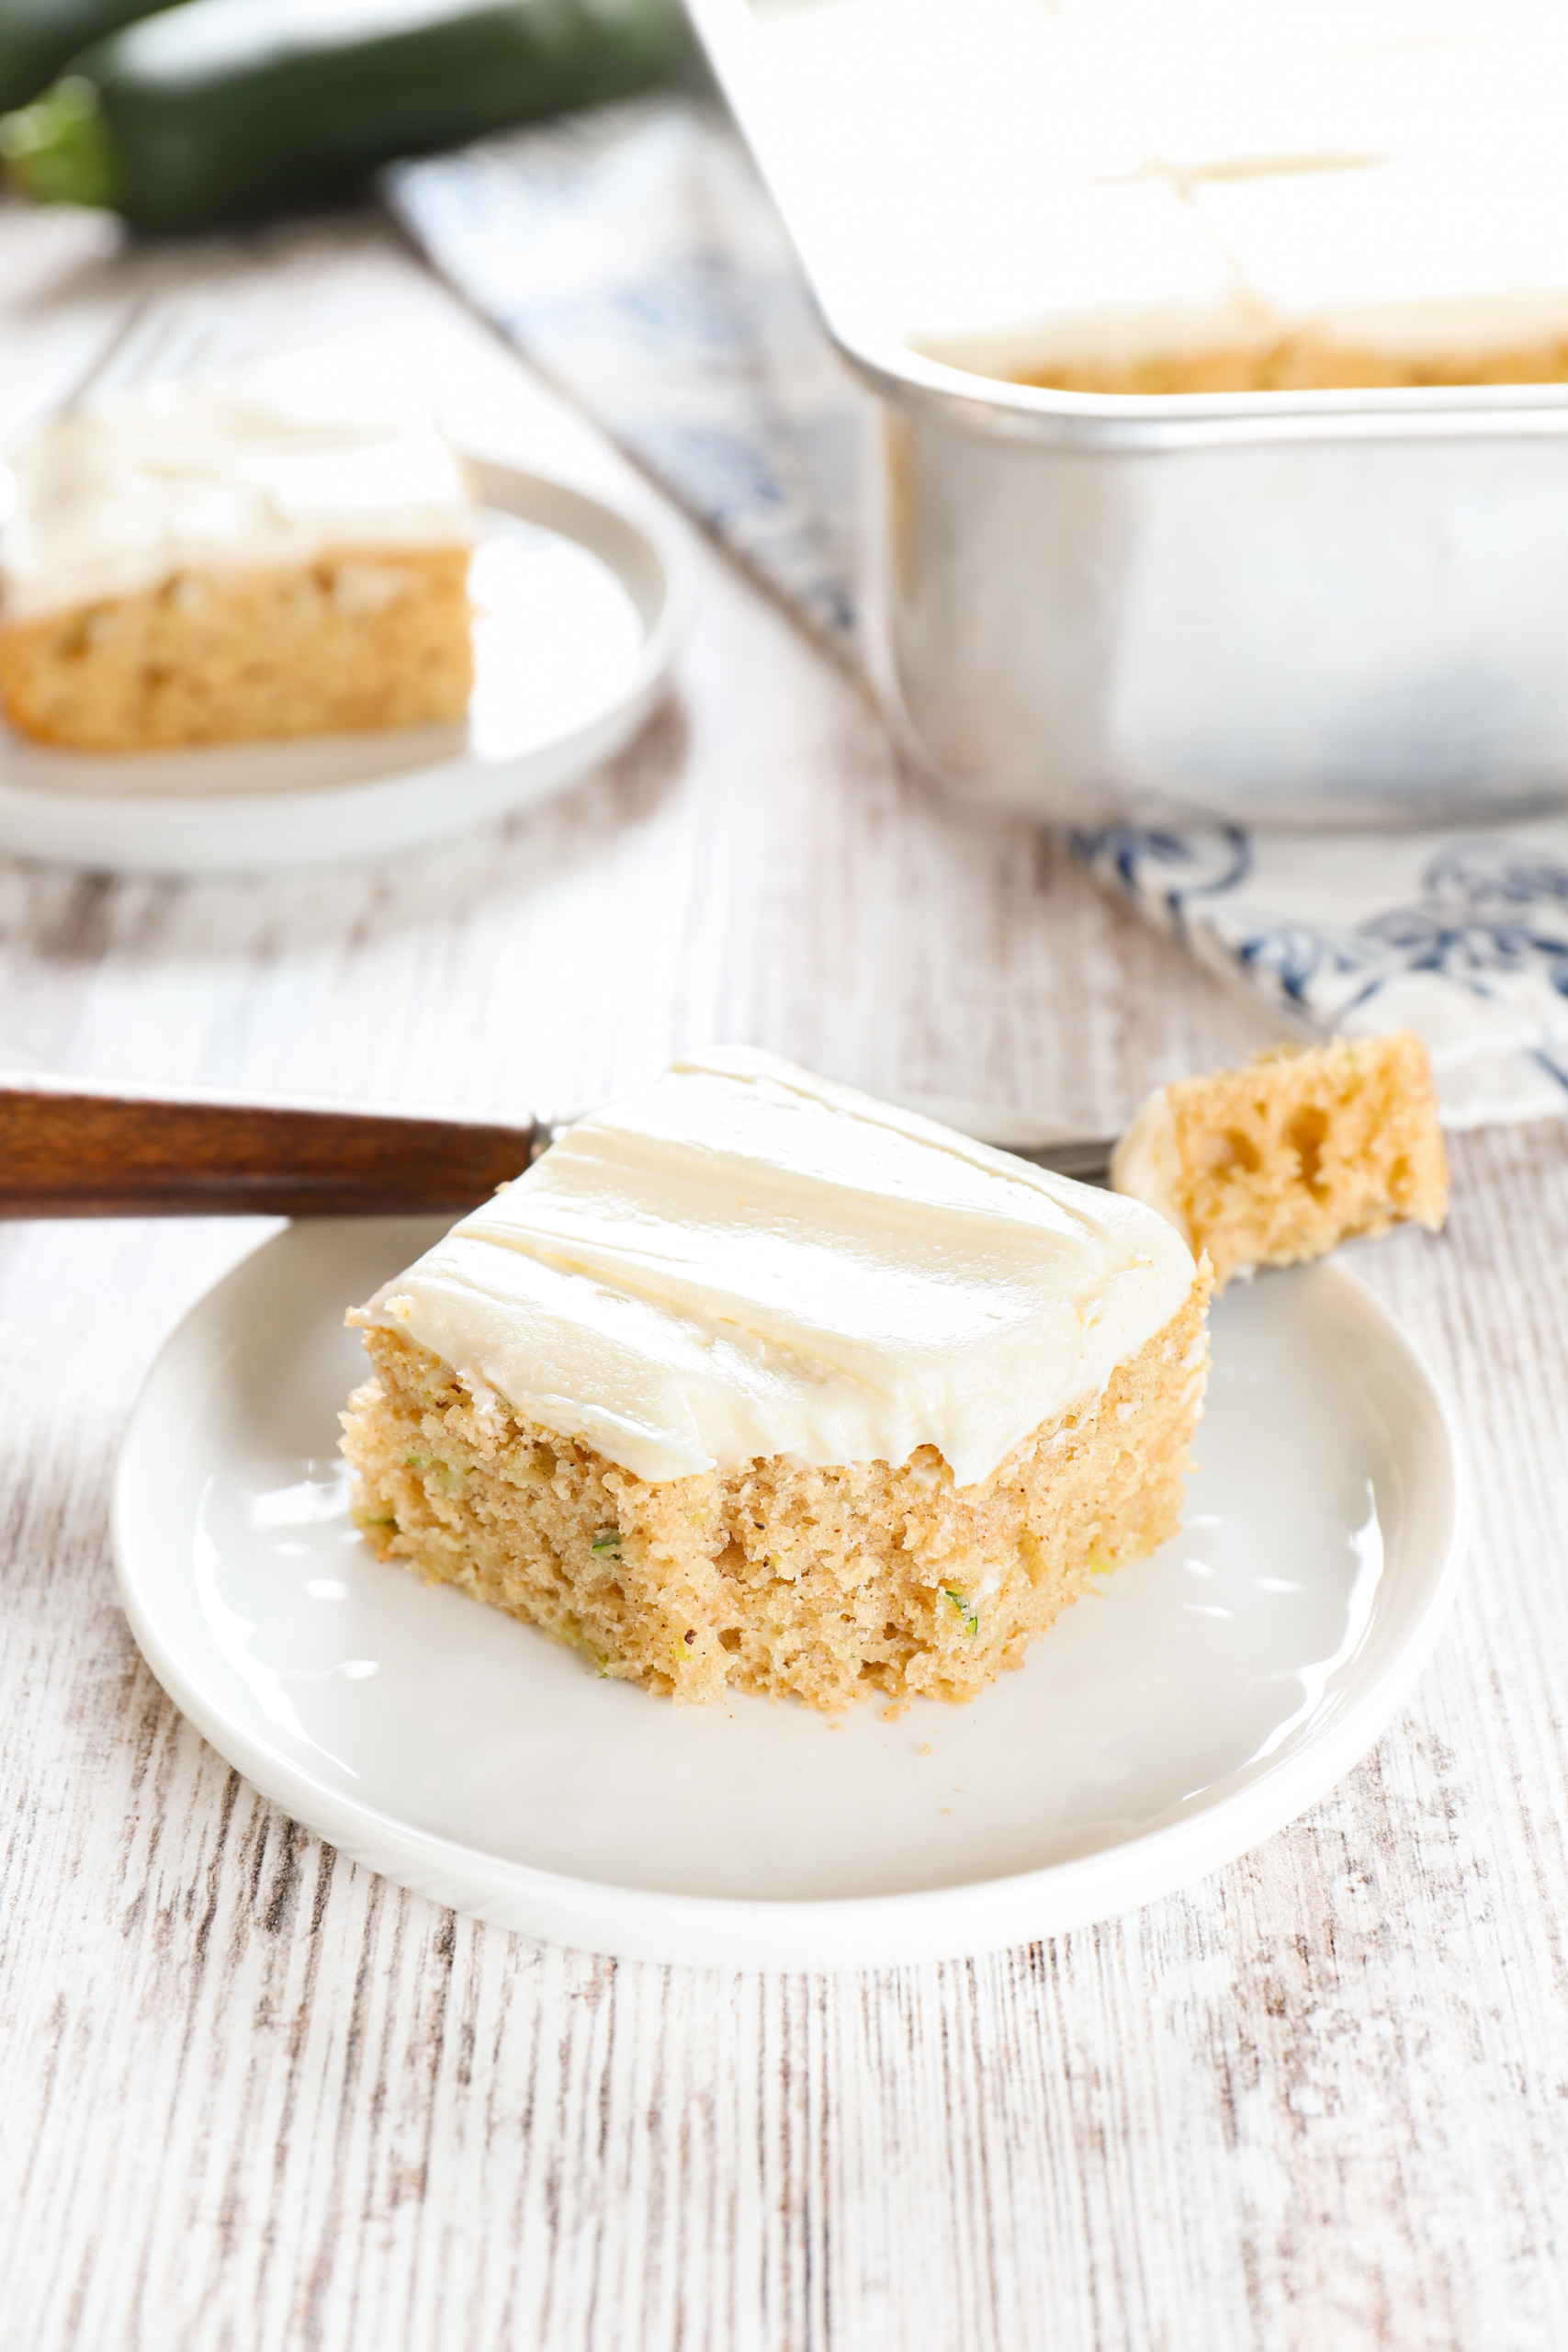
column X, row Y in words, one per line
column 252, row 2095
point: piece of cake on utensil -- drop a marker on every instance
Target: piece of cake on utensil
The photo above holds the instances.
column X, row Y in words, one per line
column 1300, row 1150
column 279, row 550
column 752, row 1382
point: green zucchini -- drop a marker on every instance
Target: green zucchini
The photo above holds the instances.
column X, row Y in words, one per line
column 218, row 109
column 37, row 37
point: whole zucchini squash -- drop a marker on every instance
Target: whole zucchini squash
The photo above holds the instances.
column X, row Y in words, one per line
column 220, row 109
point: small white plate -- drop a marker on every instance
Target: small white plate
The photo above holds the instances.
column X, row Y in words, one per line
column 579, row 615
column 1193, row 1704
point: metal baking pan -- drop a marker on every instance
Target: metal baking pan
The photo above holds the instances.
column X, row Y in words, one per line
column 1314, row 608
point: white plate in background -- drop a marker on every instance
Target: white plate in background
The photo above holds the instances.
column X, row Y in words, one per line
column 1176, row 1716
column 579, row 615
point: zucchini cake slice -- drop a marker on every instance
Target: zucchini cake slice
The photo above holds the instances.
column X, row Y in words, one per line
column 1300, row 1150
column 752, row 1382
column 279, row 550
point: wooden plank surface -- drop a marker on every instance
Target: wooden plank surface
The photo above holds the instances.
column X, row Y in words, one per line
column 250, row 2094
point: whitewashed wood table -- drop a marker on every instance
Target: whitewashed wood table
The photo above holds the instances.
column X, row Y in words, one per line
column 252, row 2095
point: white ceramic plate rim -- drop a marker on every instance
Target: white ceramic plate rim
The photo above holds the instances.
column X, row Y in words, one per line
column 824, row 1933
column 401, row 807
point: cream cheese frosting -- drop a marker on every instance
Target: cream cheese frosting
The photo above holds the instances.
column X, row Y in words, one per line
column 742, row 1260
column 272, row 463
column 1380, row 174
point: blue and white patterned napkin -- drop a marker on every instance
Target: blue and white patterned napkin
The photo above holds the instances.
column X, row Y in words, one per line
column 633, row 255
column 1461, row 936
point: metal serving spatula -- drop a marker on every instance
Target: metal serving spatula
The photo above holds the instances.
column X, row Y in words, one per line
column 76, row 1147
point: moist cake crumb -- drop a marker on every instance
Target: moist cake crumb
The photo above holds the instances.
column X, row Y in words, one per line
column 1301, row 1148
column 832, row 1583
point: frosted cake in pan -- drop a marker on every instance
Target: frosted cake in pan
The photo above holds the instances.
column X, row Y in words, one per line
column 1186, row 196
column 754, row 1383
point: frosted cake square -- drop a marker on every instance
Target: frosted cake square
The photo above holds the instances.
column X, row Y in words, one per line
column 280, row 549
column 755, row 1383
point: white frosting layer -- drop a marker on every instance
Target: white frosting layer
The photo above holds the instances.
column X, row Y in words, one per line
column 742, row 1260
column 270, row 463
column 1387, row 171
column 1404, row 259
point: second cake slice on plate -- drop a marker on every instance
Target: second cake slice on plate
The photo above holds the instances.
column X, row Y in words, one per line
column 278, row 549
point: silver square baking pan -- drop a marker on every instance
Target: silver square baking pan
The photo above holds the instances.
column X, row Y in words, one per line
column 1287, row 608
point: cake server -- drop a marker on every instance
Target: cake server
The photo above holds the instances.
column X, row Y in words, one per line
column 73, row 1147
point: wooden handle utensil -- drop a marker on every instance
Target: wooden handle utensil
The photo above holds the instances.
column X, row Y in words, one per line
column 71, row 1147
